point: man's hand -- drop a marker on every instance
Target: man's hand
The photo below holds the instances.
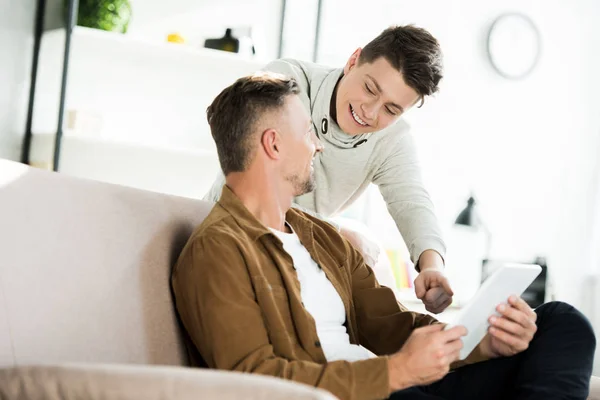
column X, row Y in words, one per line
column 512, row 331
column 431, row 286
column 426, row 356
column 367, row 248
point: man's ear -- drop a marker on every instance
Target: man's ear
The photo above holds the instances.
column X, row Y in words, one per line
column 271, row 143
column 352, row 61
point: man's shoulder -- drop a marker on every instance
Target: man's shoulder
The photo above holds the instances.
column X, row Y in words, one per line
column 219, row 225
column 212, row 243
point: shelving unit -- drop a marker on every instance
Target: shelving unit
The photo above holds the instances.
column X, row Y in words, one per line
column 151, row 98
column 110, row 43
column 140, row 89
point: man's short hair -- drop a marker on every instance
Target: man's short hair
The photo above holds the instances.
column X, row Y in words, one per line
column 411, row 50
column 233, row 114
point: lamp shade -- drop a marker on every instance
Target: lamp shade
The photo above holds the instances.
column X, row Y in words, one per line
column 468, row 216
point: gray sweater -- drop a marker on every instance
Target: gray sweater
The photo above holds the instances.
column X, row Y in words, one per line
column 349, row 164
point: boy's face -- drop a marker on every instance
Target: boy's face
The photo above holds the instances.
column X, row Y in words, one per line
column 371, row 96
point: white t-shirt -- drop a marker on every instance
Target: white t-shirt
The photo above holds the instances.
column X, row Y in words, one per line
column 323, row 302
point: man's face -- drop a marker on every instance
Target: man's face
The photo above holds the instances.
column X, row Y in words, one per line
column 300, row 145
column 371, row 96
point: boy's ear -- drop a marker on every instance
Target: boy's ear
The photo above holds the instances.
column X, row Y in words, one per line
column 352, row 61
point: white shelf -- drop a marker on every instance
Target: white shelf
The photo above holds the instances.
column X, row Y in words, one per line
column 108, row 43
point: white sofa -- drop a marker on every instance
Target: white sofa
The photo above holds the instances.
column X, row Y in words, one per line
column 85, row 302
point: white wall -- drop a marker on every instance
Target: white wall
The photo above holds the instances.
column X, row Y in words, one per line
column 299, row 29
column 16, row 42
column 527, row 148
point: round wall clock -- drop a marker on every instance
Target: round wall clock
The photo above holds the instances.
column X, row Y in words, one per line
column 514, row 45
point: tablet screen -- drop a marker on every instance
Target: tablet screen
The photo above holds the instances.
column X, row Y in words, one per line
column 507, row 280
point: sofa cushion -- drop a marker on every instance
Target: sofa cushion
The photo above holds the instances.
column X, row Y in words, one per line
column 85, row 267
column 106, row 382
column 595, row 388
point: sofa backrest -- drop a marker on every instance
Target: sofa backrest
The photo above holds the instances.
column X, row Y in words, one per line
column 84, row 270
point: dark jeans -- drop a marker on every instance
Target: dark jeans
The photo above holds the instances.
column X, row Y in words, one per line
column 557, row 365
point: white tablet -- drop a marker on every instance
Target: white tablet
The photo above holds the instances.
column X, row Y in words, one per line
column 506, row 280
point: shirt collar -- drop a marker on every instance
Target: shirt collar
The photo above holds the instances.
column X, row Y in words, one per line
column 247, row 221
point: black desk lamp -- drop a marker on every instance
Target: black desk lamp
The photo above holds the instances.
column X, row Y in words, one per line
column 469, row 217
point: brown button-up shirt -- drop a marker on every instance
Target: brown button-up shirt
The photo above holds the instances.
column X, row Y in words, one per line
column 238, row 296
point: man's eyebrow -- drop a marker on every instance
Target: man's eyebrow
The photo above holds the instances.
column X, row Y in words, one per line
column 399, row 107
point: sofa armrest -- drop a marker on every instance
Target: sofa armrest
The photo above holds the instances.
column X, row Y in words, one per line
column 594, row 388
column 124, row 382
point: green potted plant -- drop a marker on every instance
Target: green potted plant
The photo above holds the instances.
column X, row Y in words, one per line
column 108, row 15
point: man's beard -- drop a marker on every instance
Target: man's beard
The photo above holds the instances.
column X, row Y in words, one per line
column 302, row 186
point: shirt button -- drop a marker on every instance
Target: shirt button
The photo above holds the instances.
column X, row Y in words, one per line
column 318, row 344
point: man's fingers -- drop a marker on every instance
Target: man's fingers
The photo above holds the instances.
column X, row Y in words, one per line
column 420, row 290
column 439, row 280
column 436, row 300
column 430, row 328
column 441, row 307
column 455, row 346
column 508, row 326
column 435, row 297
column 446, row 286
column 519, row 303
column 515, row 315
column 512, row 341
column 454, row 333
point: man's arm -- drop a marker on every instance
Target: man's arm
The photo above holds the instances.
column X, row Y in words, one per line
column 217, row 305
column 385, row 325
column 399, row 180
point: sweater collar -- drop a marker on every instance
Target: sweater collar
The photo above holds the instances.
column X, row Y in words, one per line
column 329, row 131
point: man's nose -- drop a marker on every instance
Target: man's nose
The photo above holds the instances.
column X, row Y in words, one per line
column 370, row 111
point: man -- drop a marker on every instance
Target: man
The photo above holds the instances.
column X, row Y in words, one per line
column 357, row 111
column 264, row 288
